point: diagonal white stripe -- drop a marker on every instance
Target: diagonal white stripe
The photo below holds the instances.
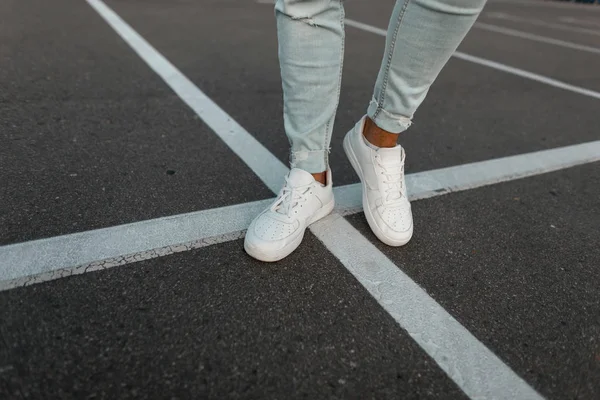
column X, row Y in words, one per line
column 538, row 22
column 495, row 65
column 570, row 5
column 578, row 21
column 268, row 167
column 471, row 365
column 536, row 38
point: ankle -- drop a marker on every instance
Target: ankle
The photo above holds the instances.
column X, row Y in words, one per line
column 377, row 136
column 320, row 177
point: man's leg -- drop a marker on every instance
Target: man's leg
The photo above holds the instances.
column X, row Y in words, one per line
column 421, row 37
column 311, row 51
column 311, row 44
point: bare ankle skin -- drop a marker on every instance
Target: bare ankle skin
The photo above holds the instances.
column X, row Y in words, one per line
column 377, row 136
column 321, row 177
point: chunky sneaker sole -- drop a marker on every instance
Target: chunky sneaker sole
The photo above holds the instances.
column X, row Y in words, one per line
column 402, row 238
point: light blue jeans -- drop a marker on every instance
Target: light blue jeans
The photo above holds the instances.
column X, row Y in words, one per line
column 421, row 37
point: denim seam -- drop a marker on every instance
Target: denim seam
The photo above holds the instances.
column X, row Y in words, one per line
column 389, row 60
column 339, row 87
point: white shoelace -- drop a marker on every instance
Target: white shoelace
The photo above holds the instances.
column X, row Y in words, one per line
column 289, row 198
column 393, row 174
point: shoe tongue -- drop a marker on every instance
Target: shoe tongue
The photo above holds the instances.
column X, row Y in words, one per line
column 390, row 155
column 299, row 177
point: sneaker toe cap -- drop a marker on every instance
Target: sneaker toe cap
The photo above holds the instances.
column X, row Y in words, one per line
column 396, row 224
column 270, row 232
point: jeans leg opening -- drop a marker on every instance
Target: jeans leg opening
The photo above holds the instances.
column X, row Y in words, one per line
column 313, row 161
column 394, row 123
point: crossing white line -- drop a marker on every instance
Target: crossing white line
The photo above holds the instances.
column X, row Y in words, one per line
column 539, row 22
column 471, row 365
column 47, row 259
column 537, row 38
column 495, row 65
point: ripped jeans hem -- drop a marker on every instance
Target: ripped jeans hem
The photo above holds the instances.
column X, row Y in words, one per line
column 313, row 161
column 393, row 123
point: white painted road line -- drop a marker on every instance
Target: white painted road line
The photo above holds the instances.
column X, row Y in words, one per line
column 529, row 75
column 495, row 65
column 483, row 173
column 548, row 4
column 539, row 22
column 537, row 38
column 472, row 366
column 47, row 259
column 579, row 21
column 268, row 167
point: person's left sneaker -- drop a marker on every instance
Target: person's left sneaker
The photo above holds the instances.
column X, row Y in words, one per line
column 385, row 201
column 279, row 230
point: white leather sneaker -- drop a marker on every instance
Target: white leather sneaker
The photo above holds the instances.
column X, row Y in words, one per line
column 381, row 173
column 278, row 230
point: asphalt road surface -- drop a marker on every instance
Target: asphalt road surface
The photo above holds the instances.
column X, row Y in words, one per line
column 139, row 137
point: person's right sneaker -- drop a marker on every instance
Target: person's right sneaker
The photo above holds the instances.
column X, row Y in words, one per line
column 278, row 230
column 381, row 172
